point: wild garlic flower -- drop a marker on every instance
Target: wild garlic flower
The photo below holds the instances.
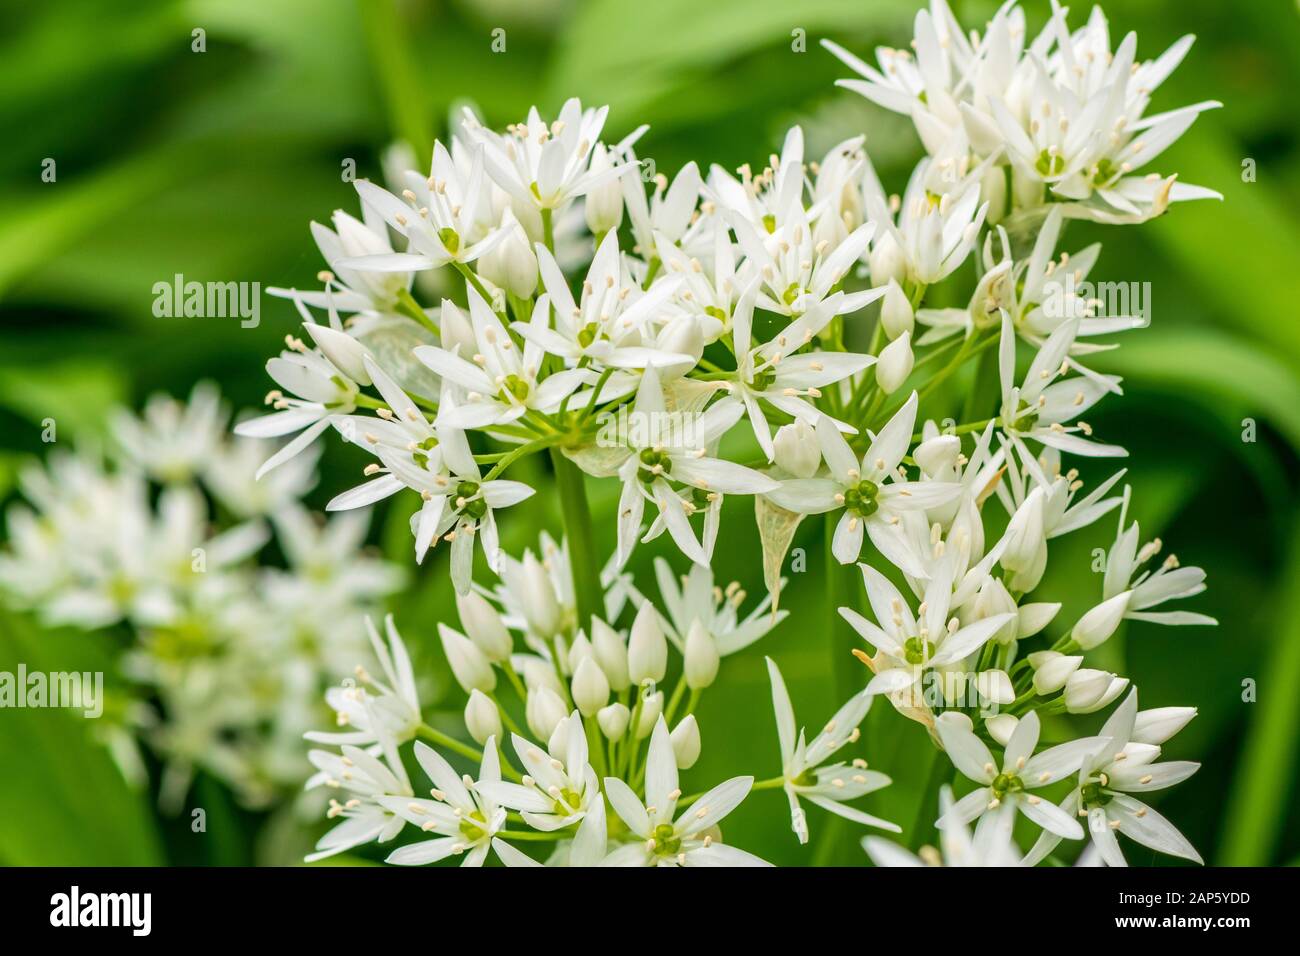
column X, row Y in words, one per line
column 1006, row 787
column 869, row 491
column 804, row 768
column 1124, row 764
column 669, row 838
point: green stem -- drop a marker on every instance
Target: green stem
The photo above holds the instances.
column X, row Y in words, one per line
column 839, row 593
column 578, row 533
column 473, row 280
column 927, row 808
column 390, row 55
column 534, row 835
column 407, row 306
column 548, row 231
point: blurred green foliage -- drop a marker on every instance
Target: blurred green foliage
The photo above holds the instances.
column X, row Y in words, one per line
column 211, row 164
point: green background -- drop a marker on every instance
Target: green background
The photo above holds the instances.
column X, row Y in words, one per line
column 211, row 165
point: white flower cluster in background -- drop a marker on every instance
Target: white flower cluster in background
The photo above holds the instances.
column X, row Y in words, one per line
column 159, row 538
column 762, row 334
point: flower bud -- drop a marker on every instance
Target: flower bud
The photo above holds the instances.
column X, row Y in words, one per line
column 993, row 599
column 484, row 626
column 647, row 650
column 993, row 188
column 511, row 263
column 1051, row 670
column 1001, row 727
column 470, row 667
column 1090, row 690
column 343, row 351
column 887, row 261
column 1158, row 725
column 543, row 712
column 937, row 455
column 540, row 673
column 613, row 720
column 537, row 598
column 684, row 336
column 895, row 363
column 579, row 649
column 701, row 657
column 651, row 707
column 686, row 742
column 1098, row 624
column 1034, row 617
column 795, row 449
column 604, row 205
column 896, row 314
column 482, row 719
column 610, row 653
column 457, row 332
column 995, row 687
column 590, row 687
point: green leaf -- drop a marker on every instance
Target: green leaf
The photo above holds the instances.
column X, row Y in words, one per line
column 64, row 802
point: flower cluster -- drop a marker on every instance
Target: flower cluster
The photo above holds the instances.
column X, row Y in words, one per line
column 763, row 334
column 224, row 658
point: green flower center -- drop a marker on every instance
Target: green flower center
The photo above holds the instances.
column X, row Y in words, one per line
column 918, row 651
column 1050, row 164
column 588, row 334
column 1092, row 795
column 654, row 464
column 1026, row 417
column 473, row 507
column 1005, row 783
column 861, row 498
column 769, row 223
column 516, row 386
column 792, row 292
column 763, row 380
column 717, row 313
column 667, row 843
column 568, row 801
column 449, row 239
column 806, row 779
column 474, row 827
column 1106, row 171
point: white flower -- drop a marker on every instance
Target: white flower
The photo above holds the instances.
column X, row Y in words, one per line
column 1148, row 589
column 368, row 779
column 546, row 167
column 611, row 322
column 872, row 499
column 694, row 599
column 559, row 786
column 689, row 840
column 1124, row 764
column 956, row 847
column 469, row 665
column 907, row 646
column 324, row 394
column 358, row 290
column 771, row 373
column 1004, row 792
column 393, row 710
column 1079, row 127
column 172, row 440
column 498, row 384
column 667, row 219
column 936, row 227
column 808, row 776
column 464, row 818
column 587, row 848
column 1041, row 407
column 668, row 450
column 438, row 216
